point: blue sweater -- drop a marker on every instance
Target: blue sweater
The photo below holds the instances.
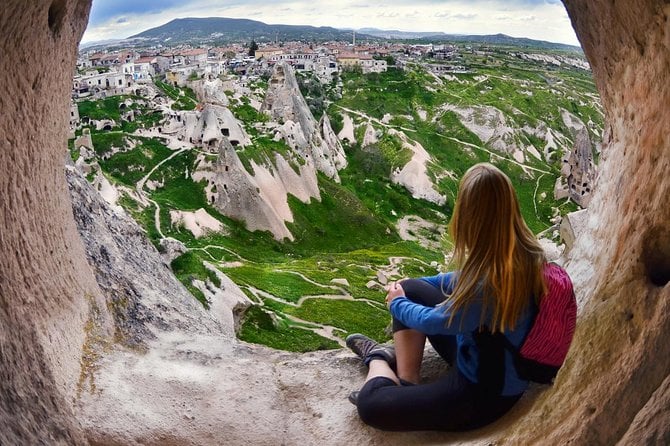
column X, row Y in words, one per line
column 434, row 321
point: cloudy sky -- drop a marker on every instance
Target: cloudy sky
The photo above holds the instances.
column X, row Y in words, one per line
column 537, row 19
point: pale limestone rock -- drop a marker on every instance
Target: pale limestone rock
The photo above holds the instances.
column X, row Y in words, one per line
column 572, row 225
column 370, row 136
column 551, row 249
column 372, row 284
column 170, row 249
column 285, row 103
column 337, row 281
column 414, row 175
column 347, row 131
column 239, row 196
column 199, row 223
column 489, row 124
column 211, row 91
column 207, row 127
column 381, row 278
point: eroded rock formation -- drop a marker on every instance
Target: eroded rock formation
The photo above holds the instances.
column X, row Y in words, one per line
column 206, row 127
column 313, row 141
column 238, row 195
column 578, row 172
column 187, row 387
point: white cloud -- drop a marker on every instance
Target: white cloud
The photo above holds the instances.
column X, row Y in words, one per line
column 537, row 19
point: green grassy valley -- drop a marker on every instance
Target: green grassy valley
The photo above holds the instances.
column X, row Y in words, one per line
column 368, row 228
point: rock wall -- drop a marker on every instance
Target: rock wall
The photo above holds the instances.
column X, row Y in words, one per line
column 239, row 196
column 616, row 373
column 206, row 127
column 45, row 282
column 578, row 170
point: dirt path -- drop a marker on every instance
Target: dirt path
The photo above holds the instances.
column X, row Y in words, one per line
column 139, row 187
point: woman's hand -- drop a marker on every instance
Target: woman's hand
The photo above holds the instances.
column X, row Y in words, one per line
column 394, row 290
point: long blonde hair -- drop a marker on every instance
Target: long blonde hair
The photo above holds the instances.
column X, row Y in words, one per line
column 497, row 255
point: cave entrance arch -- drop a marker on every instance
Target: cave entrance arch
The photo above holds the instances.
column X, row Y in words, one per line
column 48, row 291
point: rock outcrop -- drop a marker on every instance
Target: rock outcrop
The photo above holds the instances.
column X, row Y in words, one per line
column 239, row 196
column 313, row 141
column 210, row 91
column 489, row 124
column 617, row 370
column 140, row 293
column 578, row 170
column 207, row 127
column 260, row 198
column 414, row 175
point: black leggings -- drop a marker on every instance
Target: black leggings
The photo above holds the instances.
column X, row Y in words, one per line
column 452, row 403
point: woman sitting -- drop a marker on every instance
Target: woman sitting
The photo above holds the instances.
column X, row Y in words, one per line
column 500, row 274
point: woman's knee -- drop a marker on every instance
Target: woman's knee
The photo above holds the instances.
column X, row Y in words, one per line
column 421, row 292
column 372, row 412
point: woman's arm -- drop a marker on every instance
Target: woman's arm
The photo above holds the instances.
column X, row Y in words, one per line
column 430, row 320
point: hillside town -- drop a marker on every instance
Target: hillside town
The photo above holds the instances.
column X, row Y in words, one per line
column 105, row 73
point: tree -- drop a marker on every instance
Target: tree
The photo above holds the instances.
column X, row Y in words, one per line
column 253, row 46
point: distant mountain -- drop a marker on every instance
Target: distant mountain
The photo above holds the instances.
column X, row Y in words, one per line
column 495, row 39
column 100, row 43
column 220, row 29
column 503, row 39
column 226, row 29
column 395, row 34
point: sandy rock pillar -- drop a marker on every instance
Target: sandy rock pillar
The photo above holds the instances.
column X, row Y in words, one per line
column 45, row 282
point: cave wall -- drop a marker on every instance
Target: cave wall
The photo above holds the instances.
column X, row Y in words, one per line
column 615, row 384
column 45, row 282
column 613, row 381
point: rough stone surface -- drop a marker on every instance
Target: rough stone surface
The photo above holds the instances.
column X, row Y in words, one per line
column 572, row 225
column 620, row 355
column 650, row 426
column 140, row 291
column 206, row 127
column 44, row 278
column 239, row 195
column 578, row 170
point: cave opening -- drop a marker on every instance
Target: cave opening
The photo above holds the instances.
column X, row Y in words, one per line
column 656, row 256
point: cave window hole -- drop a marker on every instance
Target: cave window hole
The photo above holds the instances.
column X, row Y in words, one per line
column 56, row 16
column 656, row 255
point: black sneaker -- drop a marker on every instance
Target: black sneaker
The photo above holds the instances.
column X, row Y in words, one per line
column 353, row 397
column 368, row 349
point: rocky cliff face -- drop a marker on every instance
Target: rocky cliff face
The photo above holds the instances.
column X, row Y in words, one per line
column 578, row 171
column 141, row 294
column 238, row 195
column 260, row 198
column 313, row 141
column 620, row 360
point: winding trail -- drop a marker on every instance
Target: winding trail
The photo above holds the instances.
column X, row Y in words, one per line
column 375, row 120
column 308, row 280
column 139, row 187
column 537, row 186
column 491, row 153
